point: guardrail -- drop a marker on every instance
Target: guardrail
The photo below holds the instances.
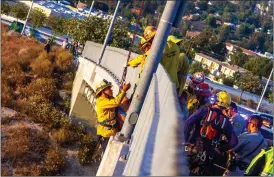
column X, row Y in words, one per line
column 156, row 146
column 40, row 33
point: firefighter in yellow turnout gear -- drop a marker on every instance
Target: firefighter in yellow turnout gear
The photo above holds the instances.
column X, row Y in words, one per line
column 141, row 59
column 106, row 106
column 183, row 65
column 170, row 57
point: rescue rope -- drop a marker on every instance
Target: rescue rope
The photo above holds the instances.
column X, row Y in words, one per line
column 132, row 43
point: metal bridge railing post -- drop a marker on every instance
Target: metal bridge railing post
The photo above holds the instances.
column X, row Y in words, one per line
column 22, row 32
column 151, row 66
column 109, row 32
column 91, row 7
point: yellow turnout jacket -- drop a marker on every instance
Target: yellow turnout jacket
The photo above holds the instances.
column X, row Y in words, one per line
column 106, row 109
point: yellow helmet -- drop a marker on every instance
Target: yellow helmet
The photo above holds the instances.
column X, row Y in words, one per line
column 143, row 43
column 223, row 99
column 174, row 39
column 149, row 32
column 101, row 86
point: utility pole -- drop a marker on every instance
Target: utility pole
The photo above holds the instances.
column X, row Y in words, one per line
column 151, row 66
column 22, row 32
column 262, row 96
column 109, row 32
column 91, row 7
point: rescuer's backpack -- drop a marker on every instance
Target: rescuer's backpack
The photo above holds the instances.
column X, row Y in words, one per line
column 213, row 123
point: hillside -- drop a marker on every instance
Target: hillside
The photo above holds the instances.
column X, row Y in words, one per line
column 37, row 136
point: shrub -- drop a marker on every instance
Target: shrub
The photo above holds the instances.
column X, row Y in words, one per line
column 26, row 55
column 31, row 170
column 24, row 144
column 42, row 86
column 6, row 96
column 5, row 8
column 229, row 81
column 68, row 81
column 65, row 136
column 87, row 148
column 42, row 65
column 64, row 61
column 54, row 163
column 14, row 77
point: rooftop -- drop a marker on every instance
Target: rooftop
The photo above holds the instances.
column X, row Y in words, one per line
column 247, row 52
column 234, row 68
column 209, row 58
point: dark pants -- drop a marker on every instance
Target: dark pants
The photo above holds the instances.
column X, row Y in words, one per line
column 103, row 142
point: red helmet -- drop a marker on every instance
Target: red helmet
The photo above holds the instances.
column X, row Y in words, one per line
column 198, row 78
column 202, row 90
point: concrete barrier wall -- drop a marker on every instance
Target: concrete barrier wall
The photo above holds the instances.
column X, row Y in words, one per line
column 156, row 147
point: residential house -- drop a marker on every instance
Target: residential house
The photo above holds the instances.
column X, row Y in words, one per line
column 233, row 48
column 217, row 67
column 229, row 70
column 208, row 62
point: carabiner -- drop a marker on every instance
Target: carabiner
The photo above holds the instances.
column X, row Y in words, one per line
column 203, row 157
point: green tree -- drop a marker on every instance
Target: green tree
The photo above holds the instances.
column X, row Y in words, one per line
column 268, row 45
column 198, row 67
column 5, row 8
column 250, row 83
column 95, row 29
column 190, row 7
column 224, row 33
column 256, row 41
column 259, row 66
column 211, row 21
column 202, row 5
column 144, row 23
column 229, row 81
column 20, row 11
column 37, row 18
column 211, row 9
column 270, row 96
column 244, row 30
column 239, row 58
column 57, row 24
column 242, row 16
column 126, row 13
column 160, row 8
column 208, row 42
column 227, row 17
column 253, row 19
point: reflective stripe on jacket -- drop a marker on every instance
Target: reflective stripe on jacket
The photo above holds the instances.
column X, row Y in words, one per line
column 262, row 164
column 106, row 110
